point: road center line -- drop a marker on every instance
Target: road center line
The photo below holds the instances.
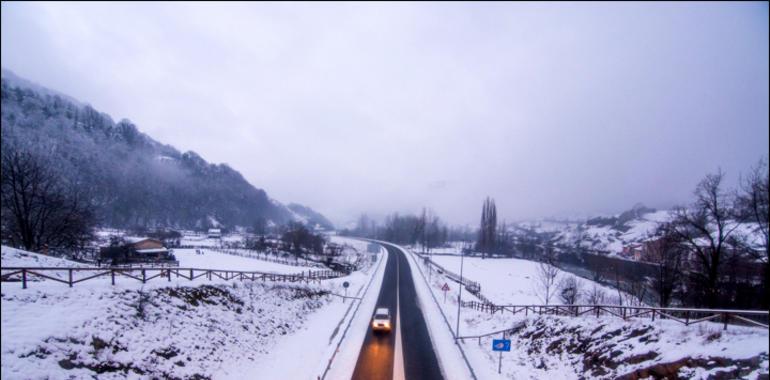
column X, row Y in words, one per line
column 398, row 363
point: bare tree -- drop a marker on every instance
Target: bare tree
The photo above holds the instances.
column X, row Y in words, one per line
column 752, row 203
column 595, row 296
column 705, row 228
column 37, row 210
column 422, row 230
column 637, row 291
column 545, row 282
column 570, row 290
column 666, row 251
column 504, row 239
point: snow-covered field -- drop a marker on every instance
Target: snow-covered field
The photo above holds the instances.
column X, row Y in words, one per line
column 451, row 248
column 204, row 241
column 588, row 347
column 188, row 258
column 505, row 281
column 180, row 329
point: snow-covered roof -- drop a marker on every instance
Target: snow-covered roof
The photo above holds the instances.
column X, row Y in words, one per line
column 152, row 250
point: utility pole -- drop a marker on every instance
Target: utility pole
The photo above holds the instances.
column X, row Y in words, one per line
column 460, row 296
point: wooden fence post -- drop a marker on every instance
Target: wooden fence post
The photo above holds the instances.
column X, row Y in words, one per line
column 23, row 278
column 144, row 276
column 70, row 271
column 112, row 274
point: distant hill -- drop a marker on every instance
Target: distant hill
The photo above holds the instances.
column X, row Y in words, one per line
column 605, row 233
column 310, row 216
column 132, row 179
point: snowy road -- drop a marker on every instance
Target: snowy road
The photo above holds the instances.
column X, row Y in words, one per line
column 379, row 352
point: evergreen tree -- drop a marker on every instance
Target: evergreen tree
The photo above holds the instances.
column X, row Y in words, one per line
column 488, row 228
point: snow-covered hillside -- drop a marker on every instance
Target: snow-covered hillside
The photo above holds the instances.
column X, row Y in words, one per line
column 610, row 234
column 176, row 331
column 12, row 257
column 563, row 348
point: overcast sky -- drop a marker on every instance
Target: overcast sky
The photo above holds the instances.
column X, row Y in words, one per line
column 550, row 108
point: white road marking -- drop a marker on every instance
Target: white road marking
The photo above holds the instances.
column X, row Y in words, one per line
column 398, row 364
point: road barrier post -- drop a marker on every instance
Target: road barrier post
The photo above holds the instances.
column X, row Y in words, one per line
column 500, row 359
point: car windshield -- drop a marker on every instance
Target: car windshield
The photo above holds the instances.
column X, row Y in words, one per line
column 380, row 316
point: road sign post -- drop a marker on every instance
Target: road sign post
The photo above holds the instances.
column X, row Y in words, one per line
column 445, row 288
column 501, row 345
column 459, row 296
column 345, row 285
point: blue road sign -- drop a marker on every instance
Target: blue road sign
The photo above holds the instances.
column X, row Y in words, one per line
column 501, row 344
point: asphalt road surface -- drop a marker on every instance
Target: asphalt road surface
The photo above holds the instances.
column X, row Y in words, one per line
column 375, row 361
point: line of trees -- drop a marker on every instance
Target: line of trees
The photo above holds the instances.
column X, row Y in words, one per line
column 302, row 240
column 425, row 229
column 39, row 210
column 707, row 255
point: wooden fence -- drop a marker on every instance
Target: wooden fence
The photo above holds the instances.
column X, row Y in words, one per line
column 686, row 316
column 243, row 252
column 70, row 275
column 157, row 264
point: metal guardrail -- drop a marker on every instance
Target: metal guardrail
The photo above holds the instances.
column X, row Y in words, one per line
column 686, row 316
column 23, row 274
column 470, row 285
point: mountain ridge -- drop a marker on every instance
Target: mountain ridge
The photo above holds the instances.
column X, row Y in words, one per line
column 131, row 178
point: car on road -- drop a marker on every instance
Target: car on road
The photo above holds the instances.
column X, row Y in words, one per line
column 381, row 320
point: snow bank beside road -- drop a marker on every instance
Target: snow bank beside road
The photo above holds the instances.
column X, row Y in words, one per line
column 450, row 357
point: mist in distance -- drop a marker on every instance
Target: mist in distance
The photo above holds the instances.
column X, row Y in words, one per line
column 553, row 109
